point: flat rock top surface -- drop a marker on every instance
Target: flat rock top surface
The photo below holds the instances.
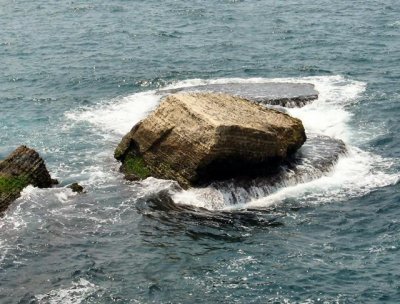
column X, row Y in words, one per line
column 223, row 109
column 257, row 91
column 196, row 138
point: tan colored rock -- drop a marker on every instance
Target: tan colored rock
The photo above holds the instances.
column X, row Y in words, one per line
column 198, row 137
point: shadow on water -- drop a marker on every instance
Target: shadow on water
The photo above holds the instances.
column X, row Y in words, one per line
column 203, row 223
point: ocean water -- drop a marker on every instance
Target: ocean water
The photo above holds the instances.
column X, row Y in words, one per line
column 77, row 75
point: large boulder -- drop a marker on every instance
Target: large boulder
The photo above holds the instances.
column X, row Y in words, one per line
column 195, row 138
column 21, row 168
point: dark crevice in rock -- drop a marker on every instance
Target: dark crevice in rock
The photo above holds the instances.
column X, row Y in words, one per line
column 235, row 167
column 155, row 145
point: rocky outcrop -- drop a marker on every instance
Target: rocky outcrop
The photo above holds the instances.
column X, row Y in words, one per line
column 195, row 138
column 272, row 93
column 21, row 168
column 75, row 187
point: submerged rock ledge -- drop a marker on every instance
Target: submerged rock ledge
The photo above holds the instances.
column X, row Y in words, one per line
column 21, row 168
column 195, row 138
column 282, row 94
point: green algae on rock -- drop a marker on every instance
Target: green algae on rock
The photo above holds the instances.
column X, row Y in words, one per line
column 21, row 168
column 195, row 138
column 9, row 183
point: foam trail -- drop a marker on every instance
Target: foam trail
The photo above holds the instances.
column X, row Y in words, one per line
column 354, row 175
column 75, row 294
column 119, row 115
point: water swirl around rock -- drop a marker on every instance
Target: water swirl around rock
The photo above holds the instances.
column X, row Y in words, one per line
column 77, row 75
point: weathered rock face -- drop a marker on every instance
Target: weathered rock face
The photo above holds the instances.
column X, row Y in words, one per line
column 195, row 138
column 21, row 168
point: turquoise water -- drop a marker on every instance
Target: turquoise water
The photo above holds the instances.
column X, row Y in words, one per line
column 77, row 75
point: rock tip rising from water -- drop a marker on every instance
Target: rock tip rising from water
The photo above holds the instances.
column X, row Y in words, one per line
column 77, row 188
column 195, row 138
column 21, row 168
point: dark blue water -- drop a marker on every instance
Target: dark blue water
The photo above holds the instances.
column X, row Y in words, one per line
column 76, row 75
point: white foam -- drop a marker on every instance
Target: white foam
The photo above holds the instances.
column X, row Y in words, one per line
column 209, row 198
column 22, row 212
column 394, row 24
column 328, row 115
column 355, row 174
column 118, row 115
column 34, row 195
column 28, row 191
column 78, row 292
